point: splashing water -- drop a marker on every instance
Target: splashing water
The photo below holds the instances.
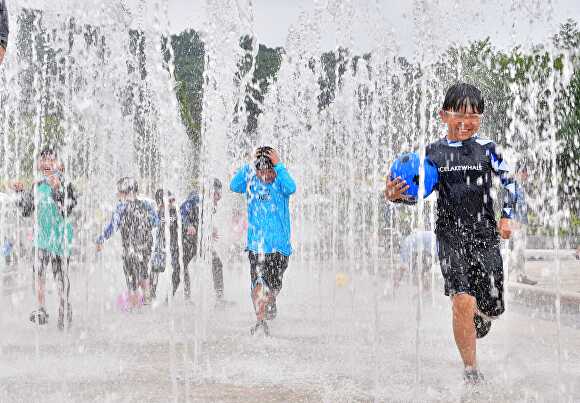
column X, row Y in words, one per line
column 97, row 78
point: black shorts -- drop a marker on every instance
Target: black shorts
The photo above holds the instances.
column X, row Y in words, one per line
column 135, row 266
column 271, row 266
column 474, row 268
column 45, row 258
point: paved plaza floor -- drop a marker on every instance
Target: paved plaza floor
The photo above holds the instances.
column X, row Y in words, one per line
column 329, row 344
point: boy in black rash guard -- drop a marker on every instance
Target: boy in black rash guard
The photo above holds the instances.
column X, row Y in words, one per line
column 467, row 232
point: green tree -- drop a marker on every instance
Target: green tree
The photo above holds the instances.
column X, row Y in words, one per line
column 568, row 41
column 268, row 61
column 189, row 53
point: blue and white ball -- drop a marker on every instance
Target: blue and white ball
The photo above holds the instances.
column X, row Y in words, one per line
column 407, row 167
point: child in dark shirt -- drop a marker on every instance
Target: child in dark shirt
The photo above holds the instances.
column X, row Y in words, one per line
column 466, row 228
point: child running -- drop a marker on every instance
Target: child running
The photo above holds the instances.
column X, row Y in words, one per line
column 190, row 219
column 52, row 201
column 267, row 186
column 159, row 253
column 136, row 219
column 466, row 229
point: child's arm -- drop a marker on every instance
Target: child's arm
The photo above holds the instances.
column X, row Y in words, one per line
column 71, row 199
column 113, row 225
column 395, row 191
column 239, row 182
column 284, row 179
column 26, row 202
column 502, row 169
column 153, row 217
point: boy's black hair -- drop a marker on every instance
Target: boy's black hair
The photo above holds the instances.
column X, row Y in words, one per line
column 127, row 185
column 48, row 151
column 461, row 96
column 262, row 160
column 217, row 185
column 159, row 196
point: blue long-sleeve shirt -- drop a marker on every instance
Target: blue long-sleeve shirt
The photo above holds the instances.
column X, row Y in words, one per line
column 117, row 216
column 520, row 212
column 268, row 209
column 189, row 210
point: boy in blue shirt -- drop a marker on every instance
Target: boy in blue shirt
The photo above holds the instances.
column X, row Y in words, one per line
column 267, row 186
column 466, row 229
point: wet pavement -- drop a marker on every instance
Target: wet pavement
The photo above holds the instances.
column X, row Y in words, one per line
column 331, row 342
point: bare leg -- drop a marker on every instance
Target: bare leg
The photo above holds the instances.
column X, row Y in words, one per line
column 154, row 280
column 464, row 328
column 59, row 277
column 133, row 299
column 41, row 266
column 186, row 283
column 398, row 275
column 145, row 289
column 43, row 261
column 426, row 280
column 218, row 275
column 40, row 287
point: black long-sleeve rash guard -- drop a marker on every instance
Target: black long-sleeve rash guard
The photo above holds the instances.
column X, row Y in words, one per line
column 465, row 205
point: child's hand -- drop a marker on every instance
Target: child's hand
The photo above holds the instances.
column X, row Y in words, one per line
column 54, row 182
column 99, row 247
column 396, row 189
column 274, row 157
column 16, row 186
column 504, row 226
column 190, row 230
